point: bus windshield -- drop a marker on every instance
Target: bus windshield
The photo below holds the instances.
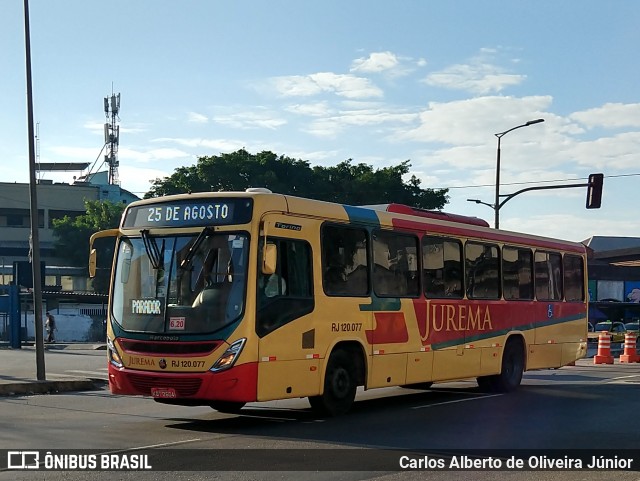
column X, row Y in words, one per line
column 179, row 284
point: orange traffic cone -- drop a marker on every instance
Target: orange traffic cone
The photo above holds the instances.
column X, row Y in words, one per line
column 604, row 349
column 630, row 354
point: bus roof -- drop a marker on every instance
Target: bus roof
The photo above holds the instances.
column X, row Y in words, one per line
column 430, row 214
column 445, row 223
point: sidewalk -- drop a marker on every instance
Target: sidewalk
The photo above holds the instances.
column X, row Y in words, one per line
column 18, row 377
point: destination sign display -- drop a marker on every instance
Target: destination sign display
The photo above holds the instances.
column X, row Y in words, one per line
column 190, row 213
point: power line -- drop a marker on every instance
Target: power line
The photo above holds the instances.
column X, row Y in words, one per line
column 472, row 186
column 532, row 182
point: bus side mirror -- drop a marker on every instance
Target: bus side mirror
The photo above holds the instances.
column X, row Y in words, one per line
column 269, row 259
column 93, row 263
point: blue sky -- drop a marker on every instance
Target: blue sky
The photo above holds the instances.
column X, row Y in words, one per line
column 378, row 82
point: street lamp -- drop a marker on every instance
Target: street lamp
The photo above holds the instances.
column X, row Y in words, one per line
column 496, row 205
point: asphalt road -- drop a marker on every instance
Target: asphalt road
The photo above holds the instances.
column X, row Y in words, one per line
column 580, row 407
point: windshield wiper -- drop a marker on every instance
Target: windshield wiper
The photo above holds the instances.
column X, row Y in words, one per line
column 156, row 254
column 206, row 232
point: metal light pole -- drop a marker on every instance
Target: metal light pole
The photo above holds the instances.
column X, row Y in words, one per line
column 496, row 205
column 35, row 239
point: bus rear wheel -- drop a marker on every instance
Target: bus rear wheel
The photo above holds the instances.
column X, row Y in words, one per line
column 228, row 407
column 339, row 386
column 512, row 369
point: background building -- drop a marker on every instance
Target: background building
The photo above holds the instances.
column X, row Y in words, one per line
column 55, row 200
column 80, row 314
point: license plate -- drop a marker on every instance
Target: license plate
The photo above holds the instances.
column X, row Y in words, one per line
column 163, row 392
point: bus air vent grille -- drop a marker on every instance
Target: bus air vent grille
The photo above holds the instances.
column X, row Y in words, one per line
column 184, row 386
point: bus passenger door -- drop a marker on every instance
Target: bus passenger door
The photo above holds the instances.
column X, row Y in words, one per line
column 284, row 310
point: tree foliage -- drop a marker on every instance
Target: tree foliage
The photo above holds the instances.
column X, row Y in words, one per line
column 71, row 237
column 347, row 183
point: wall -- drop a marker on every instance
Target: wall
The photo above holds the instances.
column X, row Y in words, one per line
column 73, row 324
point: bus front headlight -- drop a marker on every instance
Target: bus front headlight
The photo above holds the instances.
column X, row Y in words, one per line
column 229, row 356
column 112, row 352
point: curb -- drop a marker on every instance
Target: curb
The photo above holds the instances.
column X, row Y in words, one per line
column 79, row 346
column 49, row 387
column 61, row 345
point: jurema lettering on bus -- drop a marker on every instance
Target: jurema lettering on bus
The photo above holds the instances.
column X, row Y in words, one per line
column 189, row 213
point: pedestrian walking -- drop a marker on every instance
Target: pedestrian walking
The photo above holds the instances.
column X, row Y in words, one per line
column 50, row 324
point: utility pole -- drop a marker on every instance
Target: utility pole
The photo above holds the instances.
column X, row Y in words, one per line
column 34, row 240
column 112, row 135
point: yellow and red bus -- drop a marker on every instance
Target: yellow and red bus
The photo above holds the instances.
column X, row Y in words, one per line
column 228, row 298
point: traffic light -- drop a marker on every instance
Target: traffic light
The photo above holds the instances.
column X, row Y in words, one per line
column 594, row 191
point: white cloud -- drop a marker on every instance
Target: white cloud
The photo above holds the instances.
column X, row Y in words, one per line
column 197, row 118
column 478, row 79
column 138, row 180
column 376, row 62
column 567, row 226
column 617, row 153
column 331, row 126
column 349, row 86
column 151, row 155
column 479, row 75
column 386, row 63
column 217, row 145
column 251, row 120
column 316, row 109
column 474, row 121
column 65, row 153
column 611, row 115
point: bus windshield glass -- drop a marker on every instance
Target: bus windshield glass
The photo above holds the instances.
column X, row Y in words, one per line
column 180, row 284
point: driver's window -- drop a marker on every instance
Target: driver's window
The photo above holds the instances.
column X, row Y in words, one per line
column 288, row 293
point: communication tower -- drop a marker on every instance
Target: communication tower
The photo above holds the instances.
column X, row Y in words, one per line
column 112, row 135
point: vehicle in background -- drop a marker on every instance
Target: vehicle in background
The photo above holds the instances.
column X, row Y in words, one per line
column 634, row 327
column 616, row 331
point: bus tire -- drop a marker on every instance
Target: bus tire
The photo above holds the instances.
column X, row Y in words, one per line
column 228, row 407
column 511, row 370
column 339, row 386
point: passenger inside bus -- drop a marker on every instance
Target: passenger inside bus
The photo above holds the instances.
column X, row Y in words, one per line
column 387, row 277
column 214, row 287
column 272, row 285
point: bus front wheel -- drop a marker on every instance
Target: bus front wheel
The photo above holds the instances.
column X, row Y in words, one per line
column 511, row 370
column 339, row 386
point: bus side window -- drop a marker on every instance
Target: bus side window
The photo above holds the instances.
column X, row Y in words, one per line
column 442, row 267
column 345, row 270
column 395, row 264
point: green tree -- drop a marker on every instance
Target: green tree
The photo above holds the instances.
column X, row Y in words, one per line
column 71, row 238
column 348, row 183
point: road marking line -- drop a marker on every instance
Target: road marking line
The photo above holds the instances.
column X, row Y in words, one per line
column 457, row 401
column 162, row 445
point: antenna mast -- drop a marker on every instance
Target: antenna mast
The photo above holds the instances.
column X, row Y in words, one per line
column 112, row 135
